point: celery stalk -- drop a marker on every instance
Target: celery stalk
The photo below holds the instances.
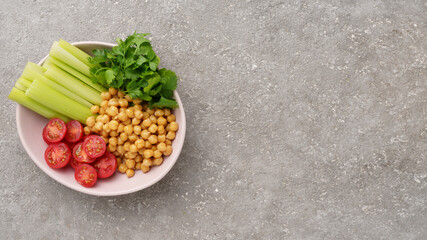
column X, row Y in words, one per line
column 65, row 56
column 24, row 82
column 20, row 86
column 20, row 97
column 75, row 51
column 64, row 91
column 30, row 70
column 75, row 73
column 57, row 101
column 71, row 83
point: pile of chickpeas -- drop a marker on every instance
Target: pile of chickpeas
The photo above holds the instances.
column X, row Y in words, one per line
column 139, row 137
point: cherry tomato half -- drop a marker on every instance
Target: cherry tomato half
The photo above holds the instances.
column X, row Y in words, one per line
column 74, row 163
column 74, row 131
column 80, row 155
column 54, row 131
column 94, row 146
column 105, row 165
column 57, row 155
column 86, row 175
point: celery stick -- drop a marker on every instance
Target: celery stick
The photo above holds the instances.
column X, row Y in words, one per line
column 30, row 70
column 24, row 82
column 75, row 51
column 71, row 83
column 20, row 97
column 64, row 91
column 57, row 101
column 75, row 73
column 20, row 86
column 63, row 55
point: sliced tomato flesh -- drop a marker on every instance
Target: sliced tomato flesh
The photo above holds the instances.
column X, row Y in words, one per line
column 57, row 155
column 74, row 131
column 74, row 163
column 86, row 175
column 105, row 165
column 80, row 155
column 94, row 146
column 54, row 131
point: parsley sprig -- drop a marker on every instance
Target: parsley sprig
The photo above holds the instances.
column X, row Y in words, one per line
column 132, row 66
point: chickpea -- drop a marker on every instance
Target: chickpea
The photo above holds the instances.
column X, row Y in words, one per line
column 147, row 162
column 94, row 109
column 147, row 144
column 101, row 111
column 130, row 112
column 161, row 121
column 120, row 149
column 168, row 151
column 133, row 137
column 130, row 173
column 168, row 128
column 138, row 166
column 104, row 104
column 122, row 116
column 161, row 147
column 120, row 141
column 137, row 129
column 141, row 151
column 152, row 128
column 161, row 138
column 113, row 102
column 130, row 155
column 112, row 111
column 157, row 154
column 112, row 141
column 152, row 139
column 138, row 158
column 148, row 153
column 171, row 118
column 105, row 139
column 119, row 161
column 150, row 111
column 145, row 115
column 123, row 102
column 146, row 122
column 170, row 135
column 126, row 146
column 168, row 142
column 167, row 112
column 153, row 119
column 161, row 129
column 90, row 121
column 145, row 169
column 106, row 128
column 139, row 143
column 112, row 148
column 98, row 118
column 137, row 107
column 154, row 147
column 137, row 101
column 128, row 130
column 122, row 168
column 105, row 119
column 173, row 126
column 120, row 94
column 136, row 121
column 127, row 97
column 130, row 163
column 114, row 133
column 112, row 91
column 133, row 148
column 145, row 134
column 113, row 125
column 120, row 128
column 138, row 113
column 105, row 95
column 86, row 130
column 127, row 122
column 158, row 161
column 98, row 126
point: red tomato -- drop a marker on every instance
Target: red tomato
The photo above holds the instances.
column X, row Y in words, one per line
column 94, row 146
column 54, row 131
column 74, row 163
column 74, row 131
column 57, row 155
column 81, row 155
column 86, row 175
column 105, row 165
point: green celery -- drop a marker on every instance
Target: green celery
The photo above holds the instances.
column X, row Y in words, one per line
column 57, row 101
column 20, row 86
column 75, row 73
column 64, row 91
column 24, row 82
column 75, row 51
column 65, row 56
column 30, row 70
column 71, row 83
column 20, row 97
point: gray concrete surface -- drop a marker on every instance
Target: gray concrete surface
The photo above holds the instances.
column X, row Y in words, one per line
column 306, row 120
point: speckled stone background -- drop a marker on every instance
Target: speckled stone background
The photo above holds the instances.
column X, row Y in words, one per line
column 306, row 120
